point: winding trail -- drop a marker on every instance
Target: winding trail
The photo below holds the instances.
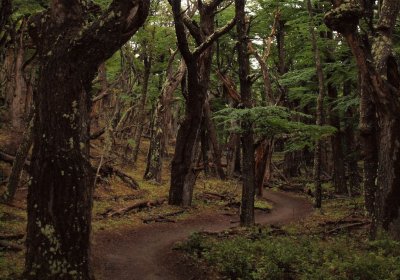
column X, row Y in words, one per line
column 145, row 253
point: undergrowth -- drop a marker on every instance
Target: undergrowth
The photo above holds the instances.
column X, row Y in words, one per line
column 298, row 257
column 306, row 250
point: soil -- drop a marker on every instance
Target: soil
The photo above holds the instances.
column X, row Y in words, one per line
column 146, row 253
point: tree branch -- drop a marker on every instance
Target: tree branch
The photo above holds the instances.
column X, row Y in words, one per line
column 193, row 28
column 213, row 37
column 183, row 44
column 115, row 27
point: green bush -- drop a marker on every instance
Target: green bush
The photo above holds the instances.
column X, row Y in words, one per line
column 305, row 258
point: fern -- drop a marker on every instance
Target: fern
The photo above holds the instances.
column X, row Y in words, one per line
column 275, row 121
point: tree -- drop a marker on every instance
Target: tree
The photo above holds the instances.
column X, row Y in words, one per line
column 319, row 113
column 5, row 14
column 157, row 142
column 71, row 46
column 198, row 63
column 381, row 81
column 248, row 188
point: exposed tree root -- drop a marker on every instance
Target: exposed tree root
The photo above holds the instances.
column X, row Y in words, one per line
column 108, row 170
column 136, row 206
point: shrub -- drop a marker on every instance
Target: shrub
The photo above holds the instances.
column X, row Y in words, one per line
column 304, row 257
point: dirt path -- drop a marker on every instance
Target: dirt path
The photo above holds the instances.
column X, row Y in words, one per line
column 145, row 253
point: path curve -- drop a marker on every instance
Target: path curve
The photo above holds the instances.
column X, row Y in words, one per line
column 145, row 253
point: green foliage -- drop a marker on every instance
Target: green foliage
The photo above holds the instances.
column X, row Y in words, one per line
column 28, row 7
column 298, row 258
column 275, row 121
column 131, row 142
column 113, row 66
column 103, row 3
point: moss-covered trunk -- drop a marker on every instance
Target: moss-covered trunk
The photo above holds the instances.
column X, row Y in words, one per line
column 60, row 193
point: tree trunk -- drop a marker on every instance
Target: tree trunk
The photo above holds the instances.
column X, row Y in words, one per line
column 339, row 174
column 248, row 188
column 18, row 101
column 319, row 113
column 19, row 163
column 205, row 147
column 352, row 156
column 60, row 194
column 157, row 144
column 181, row 167
column 212, row 133
column 379, row 71
column 233, row 155
column 369, row 140
column 263, row 164
column 142, row 107
column 198, row 75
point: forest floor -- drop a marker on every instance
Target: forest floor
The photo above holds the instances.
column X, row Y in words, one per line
column 135, row 230
column 146, row 253
column 114, row 212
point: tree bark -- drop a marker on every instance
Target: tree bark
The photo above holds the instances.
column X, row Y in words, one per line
column 142, row 110
column 248, row 188
column 263, row 162
column 351, row 140
column 379, row 71
column 198, row 75
column 19, row 163
column 339, row 173
column 319, row 113
column 212, row 134
column 157, row 144
column 368, row 127
column 60, row 194
column 20, row 89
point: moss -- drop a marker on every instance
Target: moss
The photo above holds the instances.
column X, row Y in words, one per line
column 344, row 18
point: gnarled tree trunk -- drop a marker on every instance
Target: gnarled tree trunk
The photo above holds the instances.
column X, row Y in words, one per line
column 379, row 70
column 198, row 76
column 60, row 195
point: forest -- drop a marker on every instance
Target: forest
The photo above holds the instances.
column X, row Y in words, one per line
column 199, row 139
